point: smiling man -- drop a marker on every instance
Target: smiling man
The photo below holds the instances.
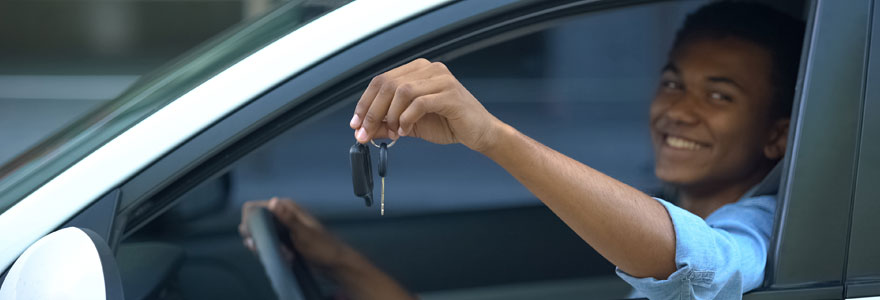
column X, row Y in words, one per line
column 719, row 123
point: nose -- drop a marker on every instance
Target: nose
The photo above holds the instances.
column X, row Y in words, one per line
column 682, row 111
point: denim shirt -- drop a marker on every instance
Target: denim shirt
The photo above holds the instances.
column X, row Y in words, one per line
column 720, row 257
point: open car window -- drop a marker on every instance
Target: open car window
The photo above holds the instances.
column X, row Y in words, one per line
column 456, row 222
column 571, row 84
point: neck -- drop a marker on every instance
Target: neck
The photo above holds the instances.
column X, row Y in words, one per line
column 703, row 199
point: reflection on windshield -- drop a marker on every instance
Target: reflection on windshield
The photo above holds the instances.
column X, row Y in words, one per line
column 25, row 173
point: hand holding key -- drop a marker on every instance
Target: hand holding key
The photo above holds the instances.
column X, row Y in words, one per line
column 422, row 99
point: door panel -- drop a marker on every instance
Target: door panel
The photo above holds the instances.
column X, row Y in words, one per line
column 863, row 263
column 810, row 242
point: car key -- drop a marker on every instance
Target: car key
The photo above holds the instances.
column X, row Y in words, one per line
column 383, row 170
column 361, row 172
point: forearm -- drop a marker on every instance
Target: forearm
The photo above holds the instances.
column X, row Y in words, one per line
column 361, row 280
column 626, row 226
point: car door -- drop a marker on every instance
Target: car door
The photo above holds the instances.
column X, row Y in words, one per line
column 809, row 251
column 863, row 261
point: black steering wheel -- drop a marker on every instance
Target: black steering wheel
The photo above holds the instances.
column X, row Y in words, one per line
column 291, row 281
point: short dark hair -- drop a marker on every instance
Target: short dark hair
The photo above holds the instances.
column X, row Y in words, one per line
column 779, row 33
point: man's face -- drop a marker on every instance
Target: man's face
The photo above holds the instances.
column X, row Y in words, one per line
column 711, row 115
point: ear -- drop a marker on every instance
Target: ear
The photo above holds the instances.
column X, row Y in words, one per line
column 775, row 147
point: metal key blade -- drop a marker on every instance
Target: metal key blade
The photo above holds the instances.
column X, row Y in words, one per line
column 383, row 170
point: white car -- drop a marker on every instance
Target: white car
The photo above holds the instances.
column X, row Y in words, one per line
column 157, row 176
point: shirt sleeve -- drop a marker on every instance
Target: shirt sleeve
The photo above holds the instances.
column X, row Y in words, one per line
column 720, row 257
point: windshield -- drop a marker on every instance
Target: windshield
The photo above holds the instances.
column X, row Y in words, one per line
column 25, row 173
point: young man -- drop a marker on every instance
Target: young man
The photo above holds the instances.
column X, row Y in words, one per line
column 719, row 124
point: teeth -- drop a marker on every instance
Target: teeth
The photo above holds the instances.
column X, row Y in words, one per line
column 680, row 143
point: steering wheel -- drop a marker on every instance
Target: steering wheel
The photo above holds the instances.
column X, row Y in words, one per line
column 291, row 281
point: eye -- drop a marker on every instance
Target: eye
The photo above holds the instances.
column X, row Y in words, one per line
column 670, row 84
column 720, row 96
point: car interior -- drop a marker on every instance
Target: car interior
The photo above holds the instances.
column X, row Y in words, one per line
column 456, row 226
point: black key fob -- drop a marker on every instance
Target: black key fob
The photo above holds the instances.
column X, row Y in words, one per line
column 361, row 172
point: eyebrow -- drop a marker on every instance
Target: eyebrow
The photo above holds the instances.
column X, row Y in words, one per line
column 727, row 80
column 670, row 67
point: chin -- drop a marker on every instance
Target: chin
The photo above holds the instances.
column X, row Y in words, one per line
column 676, row 176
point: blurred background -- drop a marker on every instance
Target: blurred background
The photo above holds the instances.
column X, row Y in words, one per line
column 61, row 58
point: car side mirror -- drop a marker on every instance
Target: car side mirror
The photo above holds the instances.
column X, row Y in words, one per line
column 71, row 263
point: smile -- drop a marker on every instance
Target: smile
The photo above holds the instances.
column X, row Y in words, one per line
column 681, row 143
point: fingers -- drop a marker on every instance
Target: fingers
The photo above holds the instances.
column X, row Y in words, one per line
column 286, row 211
column 290, row 214
column 382, row 133
column 375, row 86
column 242, row 227
column 405, row 94
column 294, row 217
column 249, row 243
column 375, row 116
column 245, row 208
column 416, row 110
column 402, row 98
column 393, row 96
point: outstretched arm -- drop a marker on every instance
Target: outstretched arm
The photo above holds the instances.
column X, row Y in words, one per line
column 424, row 100
column 626, row 226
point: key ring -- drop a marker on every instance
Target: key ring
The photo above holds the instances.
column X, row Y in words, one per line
column 389, row 145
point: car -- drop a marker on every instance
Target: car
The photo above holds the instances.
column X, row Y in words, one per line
column 159, row 174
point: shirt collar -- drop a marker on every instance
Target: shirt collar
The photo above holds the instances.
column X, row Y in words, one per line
column 769, row 185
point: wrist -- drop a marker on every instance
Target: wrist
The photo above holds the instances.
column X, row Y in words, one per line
column 496, row 139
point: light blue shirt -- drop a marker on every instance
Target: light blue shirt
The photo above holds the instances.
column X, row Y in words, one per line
column 721, row 257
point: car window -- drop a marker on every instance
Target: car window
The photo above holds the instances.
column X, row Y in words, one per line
column 455, row 220
column 577, row 88
column 29, row 170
